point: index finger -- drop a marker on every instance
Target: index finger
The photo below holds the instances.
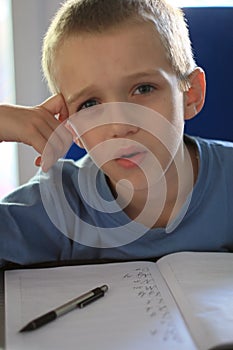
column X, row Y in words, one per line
column 56, row 105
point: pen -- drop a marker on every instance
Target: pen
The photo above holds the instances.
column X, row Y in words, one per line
column 81, row 301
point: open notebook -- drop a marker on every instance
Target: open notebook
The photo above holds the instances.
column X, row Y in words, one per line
column 182, row 302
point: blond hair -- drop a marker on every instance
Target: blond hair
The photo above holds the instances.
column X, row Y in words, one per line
column 92, row 16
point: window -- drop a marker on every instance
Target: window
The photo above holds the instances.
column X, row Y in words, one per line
column 8, row 171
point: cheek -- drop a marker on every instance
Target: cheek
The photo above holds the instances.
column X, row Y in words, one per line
column 97, row 148
column 171, row 103
column 178, row 105
column 93, row 140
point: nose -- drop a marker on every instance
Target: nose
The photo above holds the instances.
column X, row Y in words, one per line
column 121, row 130
column 120, row 120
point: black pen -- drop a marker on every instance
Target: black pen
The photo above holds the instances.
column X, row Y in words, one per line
column 80, row 302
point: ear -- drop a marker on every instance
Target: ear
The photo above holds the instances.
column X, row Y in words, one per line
column 195, row 96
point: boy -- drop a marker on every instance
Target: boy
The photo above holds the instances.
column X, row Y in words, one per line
column 124, row 73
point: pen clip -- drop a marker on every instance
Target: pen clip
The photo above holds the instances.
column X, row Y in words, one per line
column 91, row 299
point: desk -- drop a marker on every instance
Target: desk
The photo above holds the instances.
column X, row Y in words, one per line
column 2, row 313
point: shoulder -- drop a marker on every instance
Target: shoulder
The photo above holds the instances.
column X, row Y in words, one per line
column 218, row 145
column 215, row 150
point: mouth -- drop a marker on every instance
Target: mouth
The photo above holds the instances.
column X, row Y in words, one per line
column 130, row 158
column 129, row 152
column 129, row 155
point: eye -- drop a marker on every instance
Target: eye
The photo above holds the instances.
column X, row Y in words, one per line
column 88, row 104
column 144, row 89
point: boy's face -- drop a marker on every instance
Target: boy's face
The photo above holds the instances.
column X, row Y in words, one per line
column 127, row 65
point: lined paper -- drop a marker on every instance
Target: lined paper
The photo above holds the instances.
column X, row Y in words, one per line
column 137, row 312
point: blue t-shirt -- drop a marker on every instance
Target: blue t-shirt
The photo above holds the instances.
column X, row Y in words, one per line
column 70, row 214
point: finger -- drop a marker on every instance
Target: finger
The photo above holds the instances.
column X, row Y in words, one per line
column 57, row 145
column 56, row 105
column 51, row 142
column 37, row 161
column 38, row 142
column 43, row 128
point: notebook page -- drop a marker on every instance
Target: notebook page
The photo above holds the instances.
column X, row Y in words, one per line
column 136, row 313
column 203, row 285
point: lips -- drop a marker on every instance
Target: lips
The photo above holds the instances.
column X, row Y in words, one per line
column 129, row 152
column 130, row 157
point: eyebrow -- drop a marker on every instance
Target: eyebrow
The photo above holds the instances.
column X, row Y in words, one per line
column 76, row 96
column 71, row 99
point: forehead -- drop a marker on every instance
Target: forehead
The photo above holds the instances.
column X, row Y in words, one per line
column 127, row 49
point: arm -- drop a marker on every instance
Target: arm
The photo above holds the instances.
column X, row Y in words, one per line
column 35, row 126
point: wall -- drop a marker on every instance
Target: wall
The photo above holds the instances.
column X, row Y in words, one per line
column 30, row 21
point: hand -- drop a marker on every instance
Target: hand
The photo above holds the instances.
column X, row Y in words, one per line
column 39, row 128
